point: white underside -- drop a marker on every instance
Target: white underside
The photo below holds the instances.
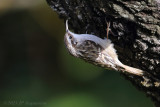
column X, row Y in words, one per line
column 82, row 37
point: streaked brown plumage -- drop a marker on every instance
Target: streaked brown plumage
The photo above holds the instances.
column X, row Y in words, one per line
column 96, row 51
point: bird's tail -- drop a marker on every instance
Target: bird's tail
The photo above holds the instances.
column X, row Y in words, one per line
column 133, row 70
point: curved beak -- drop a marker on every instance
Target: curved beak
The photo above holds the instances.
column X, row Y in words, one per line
column 66, row 25
column 67, row 30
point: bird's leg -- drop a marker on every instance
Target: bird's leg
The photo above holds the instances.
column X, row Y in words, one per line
column 108, row 29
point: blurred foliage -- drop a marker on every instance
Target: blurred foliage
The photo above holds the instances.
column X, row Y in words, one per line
column 36, row 69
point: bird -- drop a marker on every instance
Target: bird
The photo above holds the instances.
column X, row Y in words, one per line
column 97, row 51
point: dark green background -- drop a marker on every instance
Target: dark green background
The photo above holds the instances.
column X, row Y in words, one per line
column 36, row 69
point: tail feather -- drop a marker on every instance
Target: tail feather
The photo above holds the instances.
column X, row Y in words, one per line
column 133, row 70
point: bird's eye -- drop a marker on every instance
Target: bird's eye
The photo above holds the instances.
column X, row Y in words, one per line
column 70, row 37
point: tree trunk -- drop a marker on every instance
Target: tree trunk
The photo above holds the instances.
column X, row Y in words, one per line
column 135, row 26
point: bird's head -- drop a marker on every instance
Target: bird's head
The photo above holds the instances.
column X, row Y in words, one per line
column 70, row 40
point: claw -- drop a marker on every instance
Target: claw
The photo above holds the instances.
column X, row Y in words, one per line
column 108, row 29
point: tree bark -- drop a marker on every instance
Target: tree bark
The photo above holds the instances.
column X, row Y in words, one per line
column 135, row 26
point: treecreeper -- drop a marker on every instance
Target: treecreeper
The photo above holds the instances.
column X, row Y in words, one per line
column 96, row 50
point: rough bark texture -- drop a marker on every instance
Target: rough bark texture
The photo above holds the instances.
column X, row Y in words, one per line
column 136, row 33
